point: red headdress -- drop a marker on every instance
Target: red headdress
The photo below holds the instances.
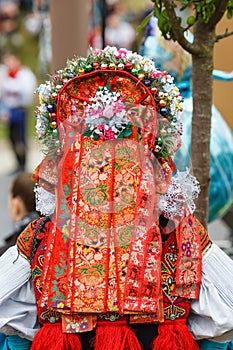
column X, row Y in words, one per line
column 112, row 122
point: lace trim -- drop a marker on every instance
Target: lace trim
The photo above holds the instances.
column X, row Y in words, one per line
column 182, row 191
column 45, row 201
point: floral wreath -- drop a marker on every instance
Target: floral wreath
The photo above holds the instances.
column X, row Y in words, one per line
column 166, row 95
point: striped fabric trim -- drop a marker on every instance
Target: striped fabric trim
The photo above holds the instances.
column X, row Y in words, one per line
column 24, row 240
column 205, row 238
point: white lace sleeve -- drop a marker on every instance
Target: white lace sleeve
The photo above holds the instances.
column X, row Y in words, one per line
column 45, row 201
column 182, row 191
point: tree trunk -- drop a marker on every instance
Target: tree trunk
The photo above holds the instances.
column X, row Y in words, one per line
column 201, row 120
column 69, row 30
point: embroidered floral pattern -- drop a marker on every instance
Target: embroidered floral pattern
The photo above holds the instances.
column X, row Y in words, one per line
column 78, row 323
column 111, row 125
column 174, row 307
column 107, row 220
column 189, row 261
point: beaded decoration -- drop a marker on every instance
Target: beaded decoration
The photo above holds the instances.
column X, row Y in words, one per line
column 112, row 123
column 165, row 93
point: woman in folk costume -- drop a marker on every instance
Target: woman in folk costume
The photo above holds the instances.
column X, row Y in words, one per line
column 170, row 56
column 118, row 263
column 206, row 321
column 105, row 269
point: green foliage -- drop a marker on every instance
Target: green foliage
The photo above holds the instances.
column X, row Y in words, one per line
column 230, row 9
column 144, row 22
column 164, row 23
column 203, row 11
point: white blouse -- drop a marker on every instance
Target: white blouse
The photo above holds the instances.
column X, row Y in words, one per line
column 212, row 314
column 18, row 313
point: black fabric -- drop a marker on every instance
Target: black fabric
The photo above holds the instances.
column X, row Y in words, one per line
column 144, row 332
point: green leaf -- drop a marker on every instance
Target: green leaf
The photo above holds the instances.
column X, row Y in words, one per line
column 144, row 22
column 95, row 136
column 67, row 190
column 229, row 14
column 127, row 132
column 87, row 132
column 63, row 216
column 164, row 23
column 99, row 268
column 107, row 86
column 65, row 237
column 157, row 11
column 56, row 268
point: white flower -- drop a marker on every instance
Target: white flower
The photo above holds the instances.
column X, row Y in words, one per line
column 40, row 127
column 42, row 108
column 168, row 87
column 45, row 91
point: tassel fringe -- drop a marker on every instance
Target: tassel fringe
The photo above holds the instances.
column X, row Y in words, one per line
column 115, row 336
column 174, row 336
column 51, row 337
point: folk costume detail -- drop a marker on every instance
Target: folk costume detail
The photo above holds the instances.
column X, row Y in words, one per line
column 110, row 125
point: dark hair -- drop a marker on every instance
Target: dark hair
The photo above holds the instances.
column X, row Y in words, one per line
column 23, row 187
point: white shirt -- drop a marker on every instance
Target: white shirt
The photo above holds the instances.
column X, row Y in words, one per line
column 18, row 91
column 18, row 312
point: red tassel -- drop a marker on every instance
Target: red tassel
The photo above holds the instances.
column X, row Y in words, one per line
column 51, row 337
column 174, row 336
column 115, row 335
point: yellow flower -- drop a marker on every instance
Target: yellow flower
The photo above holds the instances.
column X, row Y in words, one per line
column 60, row 305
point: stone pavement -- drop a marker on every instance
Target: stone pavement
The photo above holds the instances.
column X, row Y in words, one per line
column 7, row 161
column 219, row 230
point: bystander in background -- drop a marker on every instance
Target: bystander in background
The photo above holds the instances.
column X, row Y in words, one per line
column 17, row 88
column 111, row 24
column 22, row 207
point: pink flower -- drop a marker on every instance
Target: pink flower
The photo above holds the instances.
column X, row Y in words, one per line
column 94, row 112
column 55, row 77
column 97, row 51
column 118, row 107
column 101, row 127
column 110, row 134
column 108, row 112
column 156, row 74
column 121, row 53
column 103, row 137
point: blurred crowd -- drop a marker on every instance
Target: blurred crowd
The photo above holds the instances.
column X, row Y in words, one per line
column 111, row 22
column 23, row 22
column 26, row 55
column 114, row 22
